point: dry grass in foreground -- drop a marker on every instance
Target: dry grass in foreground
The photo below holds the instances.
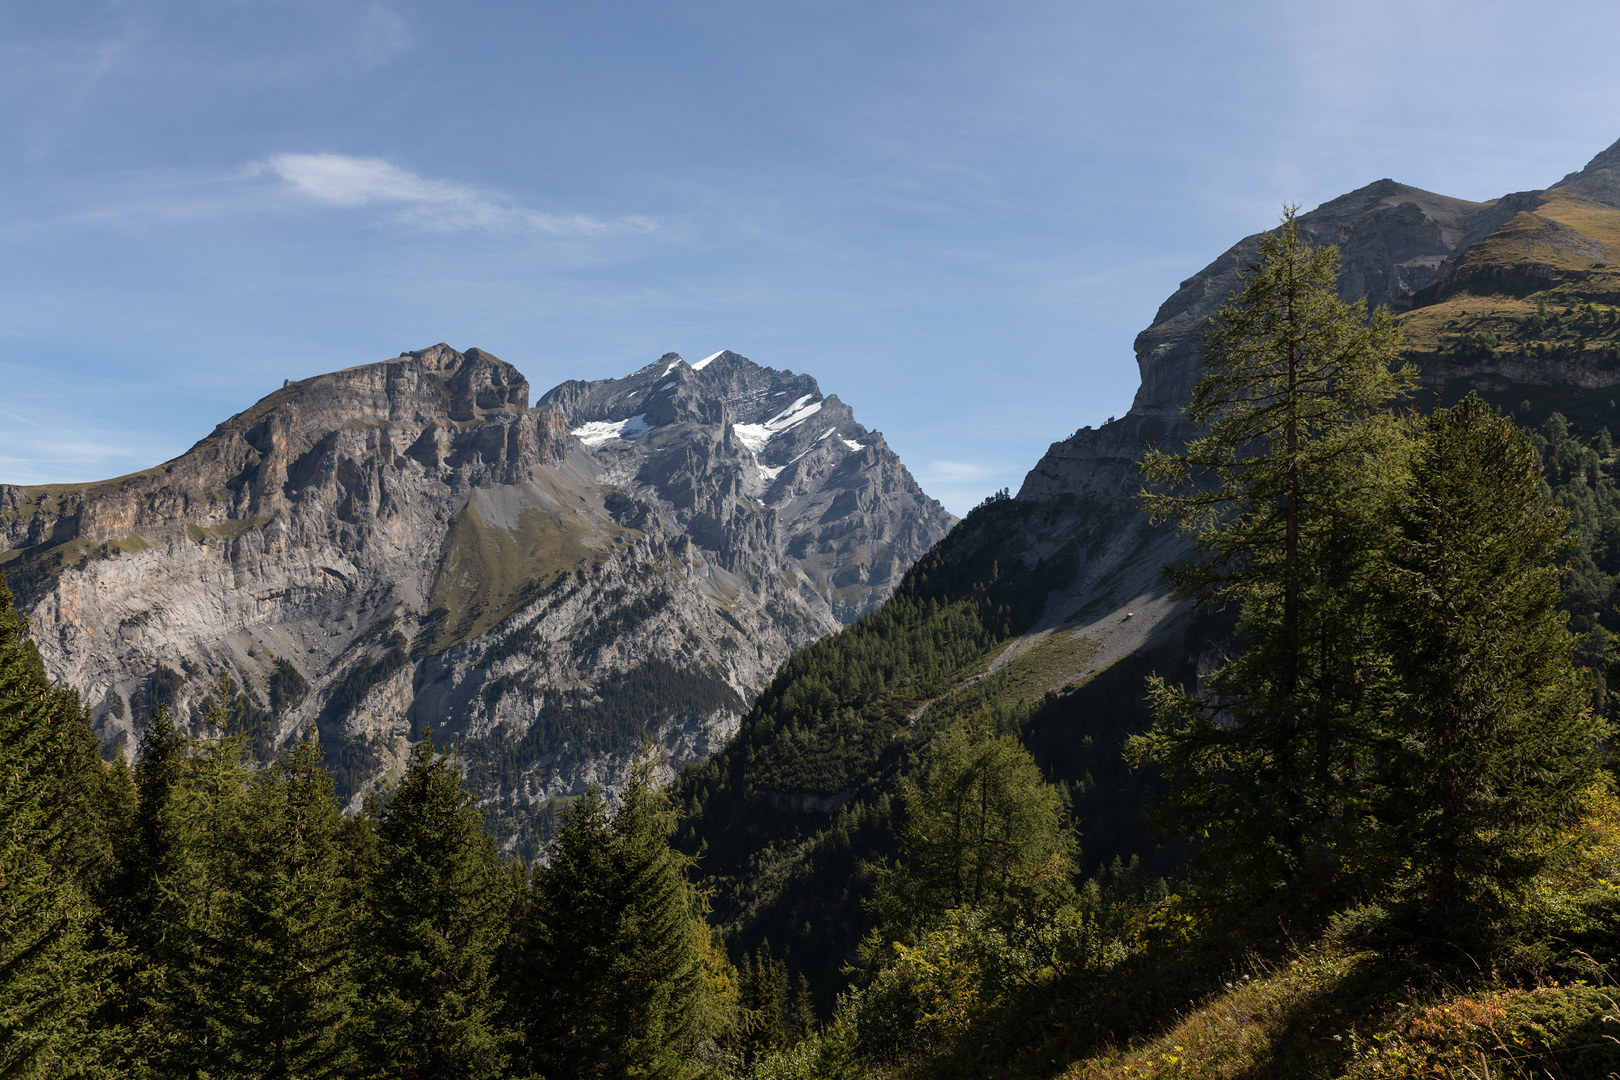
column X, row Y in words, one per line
column 1336, row 1014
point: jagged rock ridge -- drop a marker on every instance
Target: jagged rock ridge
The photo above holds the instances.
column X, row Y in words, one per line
column 408, row 543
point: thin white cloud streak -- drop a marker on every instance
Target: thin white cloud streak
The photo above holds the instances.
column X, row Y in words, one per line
column 348, row 181
column 72, row 461
column 956, row 472
column 20, row 419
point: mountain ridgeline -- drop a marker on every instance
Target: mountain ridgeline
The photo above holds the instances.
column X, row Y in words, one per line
column 950, row 798
column 1046, row 611
column 408, row 543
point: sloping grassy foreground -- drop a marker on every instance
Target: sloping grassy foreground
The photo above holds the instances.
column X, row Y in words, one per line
column 1140, row 983
column 1333, row 1013
column 1330, row 1011
column 1547, row 1004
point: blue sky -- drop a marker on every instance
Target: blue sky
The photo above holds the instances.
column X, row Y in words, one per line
column 955, row 215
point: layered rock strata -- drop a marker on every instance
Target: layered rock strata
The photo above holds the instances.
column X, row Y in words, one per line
column 408, row 544
column 1449, row 268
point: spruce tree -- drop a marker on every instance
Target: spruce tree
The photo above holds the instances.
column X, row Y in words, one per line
column 616, row 980
column 439, row 904
column 52, row 976
column 1283, row 494
column 762, row 1001
column 774, row 1013
column 188, row 936
column 159, row 760
column 132, row 896
column 287, row 1008
column 1489, row 744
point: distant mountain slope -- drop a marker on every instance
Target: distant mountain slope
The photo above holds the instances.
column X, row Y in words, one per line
column 408, row 543
column 1472, row 284
column 1056, row 606
column 791, row 817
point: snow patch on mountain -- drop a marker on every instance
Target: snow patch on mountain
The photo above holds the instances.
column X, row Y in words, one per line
column 598, row 432
column 755, row 436
column 706, row 361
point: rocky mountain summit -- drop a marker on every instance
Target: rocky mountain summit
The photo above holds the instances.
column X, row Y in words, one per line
column 408, row 544
column 1472, row 284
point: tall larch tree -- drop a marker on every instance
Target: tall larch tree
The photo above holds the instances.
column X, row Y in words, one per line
column 1280, row 492
column 983, row 831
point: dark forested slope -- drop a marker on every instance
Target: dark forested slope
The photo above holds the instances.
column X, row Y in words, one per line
column 791, row 819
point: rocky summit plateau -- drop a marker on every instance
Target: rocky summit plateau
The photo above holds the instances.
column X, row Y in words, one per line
column 408, row 544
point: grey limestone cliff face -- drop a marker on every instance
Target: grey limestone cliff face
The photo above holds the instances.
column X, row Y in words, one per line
column 802, row 476
column 1399, row 246
column 408, row 543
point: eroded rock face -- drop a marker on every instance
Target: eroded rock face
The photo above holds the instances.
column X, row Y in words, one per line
column 1399, row 246
column 734, row 449
column 1599, row 180
column 407, row 543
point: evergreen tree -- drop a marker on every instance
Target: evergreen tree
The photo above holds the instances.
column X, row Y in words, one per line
column 437, row 920
column 287, row 1008
column 1283, row 494
column 620, row 977
column 774, row 1013
column 52, row 977
column 187, row 937
column 1489, row 744
column 984, row 830
column 131, row 898
column 159, row 760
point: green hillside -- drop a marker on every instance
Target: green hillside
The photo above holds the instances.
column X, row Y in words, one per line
column 791, row 820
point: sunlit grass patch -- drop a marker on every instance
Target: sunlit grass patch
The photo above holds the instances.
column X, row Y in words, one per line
column 1295, row 1020
column 1545, row 1031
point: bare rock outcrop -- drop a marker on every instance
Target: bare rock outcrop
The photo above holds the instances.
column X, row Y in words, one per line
column 408, row 543
column 1400, row 246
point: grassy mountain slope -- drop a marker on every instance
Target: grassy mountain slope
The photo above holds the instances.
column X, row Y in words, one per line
column 1190, row 997
column 1530, row 316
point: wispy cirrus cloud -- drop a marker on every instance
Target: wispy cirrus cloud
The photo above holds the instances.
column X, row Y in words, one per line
column 34, row 453
column 960, row 485
column 349, row 181
column 957, row 472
